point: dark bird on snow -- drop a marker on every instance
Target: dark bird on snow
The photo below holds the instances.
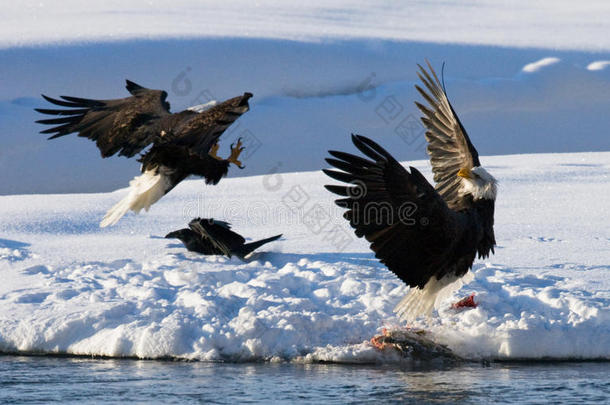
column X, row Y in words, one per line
column 183, row 143
column 211, row 237
column 428, row 236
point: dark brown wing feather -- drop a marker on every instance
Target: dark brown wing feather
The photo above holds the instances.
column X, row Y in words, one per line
column 449, row 147
column 409, row 225
column 200, row 131
column 124, row 126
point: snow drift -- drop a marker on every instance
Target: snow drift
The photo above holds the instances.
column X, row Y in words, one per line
column 317, row 295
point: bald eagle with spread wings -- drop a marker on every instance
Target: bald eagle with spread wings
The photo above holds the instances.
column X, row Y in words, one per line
column 183, row 143
column 428, row 236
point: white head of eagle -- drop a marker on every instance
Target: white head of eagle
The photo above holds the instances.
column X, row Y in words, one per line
column 479, row 183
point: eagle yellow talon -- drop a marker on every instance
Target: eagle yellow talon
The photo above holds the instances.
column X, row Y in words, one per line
column 213, row 151
column 235, row 151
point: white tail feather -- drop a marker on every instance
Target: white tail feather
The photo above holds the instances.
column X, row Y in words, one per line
column 144, row 191
column 421, row 301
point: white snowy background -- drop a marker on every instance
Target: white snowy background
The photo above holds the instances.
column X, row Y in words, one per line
column 527, row 78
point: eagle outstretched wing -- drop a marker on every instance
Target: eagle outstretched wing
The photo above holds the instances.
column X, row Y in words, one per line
column 128, row 125
column 124, row 126
column 409, row 225
column 449, row 147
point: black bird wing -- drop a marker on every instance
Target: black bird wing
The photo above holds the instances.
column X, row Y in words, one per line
column 409, row 225
column 449, row 147
column 124, row 126
column 209, row 236
column 218, row 234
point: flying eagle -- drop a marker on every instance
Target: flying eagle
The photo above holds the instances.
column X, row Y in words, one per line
column 427, row 236
column 211, row 237
column 183, row 143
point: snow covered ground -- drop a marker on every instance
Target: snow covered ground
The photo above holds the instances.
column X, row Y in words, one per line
column 527, row 79
column 318, row 293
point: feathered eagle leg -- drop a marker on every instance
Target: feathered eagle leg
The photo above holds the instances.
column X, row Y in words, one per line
column 421, row 301
column 214, row 152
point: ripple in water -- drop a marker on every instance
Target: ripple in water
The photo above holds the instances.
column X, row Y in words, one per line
column 68, row 380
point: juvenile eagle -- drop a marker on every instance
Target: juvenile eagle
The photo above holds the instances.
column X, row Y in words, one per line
column 184, row 143
column 211, row 237
column 427, row 236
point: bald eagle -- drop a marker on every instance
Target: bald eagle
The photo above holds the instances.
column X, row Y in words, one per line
column 428, row 236
column 183, row 143
column 211, row 237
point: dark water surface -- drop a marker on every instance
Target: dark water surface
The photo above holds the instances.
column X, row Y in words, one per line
column 78, row 380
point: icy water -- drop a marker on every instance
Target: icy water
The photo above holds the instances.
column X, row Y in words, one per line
column 69, row 380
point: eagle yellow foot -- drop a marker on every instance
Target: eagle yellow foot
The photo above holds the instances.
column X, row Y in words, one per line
column 213, row 151
column 236, row 149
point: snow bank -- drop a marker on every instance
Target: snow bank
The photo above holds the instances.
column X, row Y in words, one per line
column 566, row 25
column 316, row 295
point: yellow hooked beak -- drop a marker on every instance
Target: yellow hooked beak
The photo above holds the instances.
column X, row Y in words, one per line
column 465, row 173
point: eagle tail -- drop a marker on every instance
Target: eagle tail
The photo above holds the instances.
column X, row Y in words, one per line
column 144, row 191
column 421, row 301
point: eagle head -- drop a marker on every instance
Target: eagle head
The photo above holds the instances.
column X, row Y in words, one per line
column 478, row 182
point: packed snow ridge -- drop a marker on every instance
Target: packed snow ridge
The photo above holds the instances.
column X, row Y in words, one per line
column 566, row 25
column 538, row 65
column 316, row 295
column 598, row 65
